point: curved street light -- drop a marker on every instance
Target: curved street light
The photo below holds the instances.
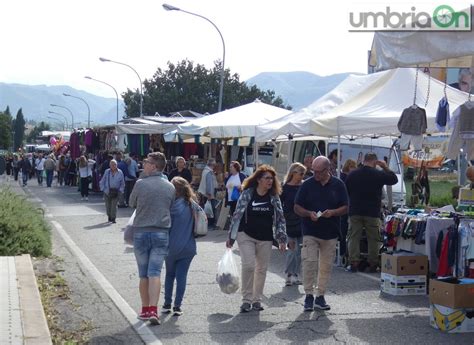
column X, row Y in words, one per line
column 69, row 110
column 140, row 79
column 116, row 93
column 64, row 117
column 88, row 108
column 168, row 7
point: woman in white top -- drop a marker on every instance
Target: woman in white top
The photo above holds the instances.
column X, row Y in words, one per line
column 233, row 184
column 85, row 172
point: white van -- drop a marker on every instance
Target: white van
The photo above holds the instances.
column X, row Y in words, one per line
column 355, row 149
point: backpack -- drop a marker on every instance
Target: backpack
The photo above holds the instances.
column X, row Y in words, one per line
column 200, row 220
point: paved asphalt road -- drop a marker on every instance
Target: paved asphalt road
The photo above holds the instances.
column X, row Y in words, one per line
column 359, row 314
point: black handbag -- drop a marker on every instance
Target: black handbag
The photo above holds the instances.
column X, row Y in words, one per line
column 113, row 192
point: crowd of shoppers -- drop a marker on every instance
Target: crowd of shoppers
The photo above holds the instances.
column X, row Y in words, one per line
column 304, row 217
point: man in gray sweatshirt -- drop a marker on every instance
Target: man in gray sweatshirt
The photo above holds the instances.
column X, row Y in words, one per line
column 152, row 196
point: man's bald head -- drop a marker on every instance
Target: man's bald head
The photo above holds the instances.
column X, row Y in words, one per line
column 321, row 163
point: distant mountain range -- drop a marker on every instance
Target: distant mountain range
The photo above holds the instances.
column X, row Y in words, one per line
column 35, row 102
column 298, row 89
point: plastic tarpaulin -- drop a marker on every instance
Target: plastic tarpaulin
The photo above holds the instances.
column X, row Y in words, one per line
column 296, row 123
column 376, row 109
column 237, row 122
column 434, row 49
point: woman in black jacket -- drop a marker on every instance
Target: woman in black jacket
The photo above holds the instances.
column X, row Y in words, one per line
column 292, row 183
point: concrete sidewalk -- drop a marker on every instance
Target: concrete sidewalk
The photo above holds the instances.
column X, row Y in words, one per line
column 22, row 319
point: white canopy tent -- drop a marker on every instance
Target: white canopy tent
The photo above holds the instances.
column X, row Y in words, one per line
column 154, row 124
column 423, row 48
column 296, row 123
column 237, row 122
column 376, row 109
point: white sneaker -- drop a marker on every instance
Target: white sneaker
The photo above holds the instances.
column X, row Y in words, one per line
column 295, row 280
column 87, row 198
column 82, row 199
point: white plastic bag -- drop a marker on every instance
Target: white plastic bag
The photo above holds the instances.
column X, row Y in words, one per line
column 128, row 232
column 228, row 276
column 208, row 209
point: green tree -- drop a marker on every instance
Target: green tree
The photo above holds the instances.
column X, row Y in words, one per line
column 5, row 130
column 186, row 86
column 42, row 126
column 19, row 128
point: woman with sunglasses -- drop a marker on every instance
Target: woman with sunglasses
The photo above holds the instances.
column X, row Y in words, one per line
column 258, row 220
column 293, row 181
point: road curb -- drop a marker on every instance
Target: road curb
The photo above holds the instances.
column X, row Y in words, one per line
column 35, row 326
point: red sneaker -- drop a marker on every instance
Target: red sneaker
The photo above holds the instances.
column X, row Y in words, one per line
column 154, row 318
column 144, row 316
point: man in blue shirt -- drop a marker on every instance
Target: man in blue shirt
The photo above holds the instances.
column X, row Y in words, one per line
column 320, row 202
column 112, row 184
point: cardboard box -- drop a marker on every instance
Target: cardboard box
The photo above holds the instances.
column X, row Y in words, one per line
column 403, row 264
column 403, row 285
column 449, row 294
column 451, row 320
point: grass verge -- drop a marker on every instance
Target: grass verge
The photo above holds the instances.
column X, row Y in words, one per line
column 22, row 227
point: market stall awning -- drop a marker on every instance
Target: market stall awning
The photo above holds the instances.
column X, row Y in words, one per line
column 423, row 48
column 376, row 109
column 296, row 123
column 237, row 122
column 149, row 125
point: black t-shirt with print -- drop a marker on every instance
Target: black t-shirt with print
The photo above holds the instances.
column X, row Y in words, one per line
column 257, row 222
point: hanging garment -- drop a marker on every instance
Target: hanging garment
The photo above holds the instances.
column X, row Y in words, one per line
column 415, row 140
column 464, row 141
column 442, row 114
column 74, row 145
column 413, row 121
column 466, row 120
column 443, row 267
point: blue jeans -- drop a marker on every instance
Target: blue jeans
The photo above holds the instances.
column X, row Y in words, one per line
column 293, row 257
column 176, row 269
column 25, row 176
column 39, row 175
column 150, row 250
column 49, row 177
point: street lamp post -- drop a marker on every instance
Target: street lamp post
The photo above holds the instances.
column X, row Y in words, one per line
column 140, row 79
column 168, row 7
column 88, row 108
column 116, row 93
column 64, row 117
column 69, row 110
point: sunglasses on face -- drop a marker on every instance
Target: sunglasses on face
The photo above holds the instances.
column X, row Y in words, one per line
column 267, row 178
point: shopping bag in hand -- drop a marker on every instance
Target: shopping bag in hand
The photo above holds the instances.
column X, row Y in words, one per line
column 208, row 209
column 228, row 273
column 128, row 232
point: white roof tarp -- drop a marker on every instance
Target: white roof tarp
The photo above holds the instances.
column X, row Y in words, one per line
column 149, row 125
column 423, row 48
column 376, row 109
column 237, row 122
column 296, row 123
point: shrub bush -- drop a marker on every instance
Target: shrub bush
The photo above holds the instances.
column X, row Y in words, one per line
column 22, row 227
